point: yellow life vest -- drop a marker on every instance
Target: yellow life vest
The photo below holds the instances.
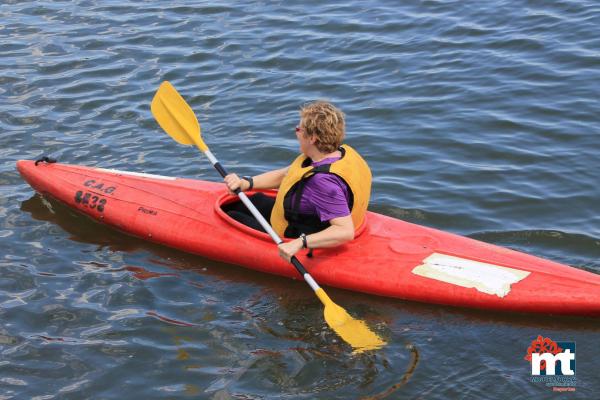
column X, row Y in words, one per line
column 351, row 168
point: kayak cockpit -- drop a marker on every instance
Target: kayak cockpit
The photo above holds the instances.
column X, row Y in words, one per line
column 226, row 202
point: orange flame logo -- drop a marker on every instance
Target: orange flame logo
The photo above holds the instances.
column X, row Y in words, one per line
column 542, row 345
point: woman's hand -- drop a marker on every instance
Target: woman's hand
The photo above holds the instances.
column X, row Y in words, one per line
column 234, row 182
column 288, row 249
column 340, row 232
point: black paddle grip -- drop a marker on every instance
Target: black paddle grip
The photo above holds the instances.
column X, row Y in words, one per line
column 296, row 263
column 221, row 169
column 223, row 173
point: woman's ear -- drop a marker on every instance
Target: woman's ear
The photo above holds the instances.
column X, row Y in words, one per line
column 313, row 139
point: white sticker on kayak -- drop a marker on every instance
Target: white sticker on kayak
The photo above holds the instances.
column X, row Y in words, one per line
column 140, row 174
column 487, row 278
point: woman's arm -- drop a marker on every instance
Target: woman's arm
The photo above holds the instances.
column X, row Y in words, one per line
column 340, row 232
column 268, row 180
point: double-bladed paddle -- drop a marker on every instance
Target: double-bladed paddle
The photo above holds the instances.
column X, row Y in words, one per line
column 176, row 117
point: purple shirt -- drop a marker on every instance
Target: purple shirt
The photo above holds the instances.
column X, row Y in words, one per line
column 325, row 195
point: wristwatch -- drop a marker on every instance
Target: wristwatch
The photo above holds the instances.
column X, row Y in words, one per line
column 250, row 181
column 304, row 242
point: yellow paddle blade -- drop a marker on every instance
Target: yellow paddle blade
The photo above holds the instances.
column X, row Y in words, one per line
column 353, row 331
column 176, row 117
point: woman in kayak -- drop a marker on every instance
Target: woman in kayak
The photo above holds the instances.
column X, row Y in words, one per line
column 323, row 195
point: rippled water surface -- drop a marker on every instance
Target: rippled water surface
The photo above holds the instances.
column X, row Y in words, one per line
column 480, row 118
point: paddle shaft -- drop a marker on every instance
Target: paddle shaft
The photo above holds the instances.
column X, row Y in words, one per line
column 263, row 222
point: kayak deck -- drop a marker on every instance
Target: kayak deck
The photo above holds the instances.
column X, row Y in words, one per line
column 388, row 257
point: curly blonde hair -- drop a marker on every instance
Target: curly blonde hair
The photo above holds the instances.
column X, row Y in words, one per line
column 326, row 122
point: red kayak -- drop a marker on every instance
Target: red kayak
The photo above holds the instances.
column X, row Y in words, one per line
column 388, row 257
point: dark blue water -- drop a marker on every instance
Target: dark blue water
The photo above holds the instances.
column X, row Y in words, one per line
column 480, row 118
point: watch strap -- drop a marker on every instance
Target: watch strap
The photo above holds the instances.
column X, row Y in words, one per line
column 250, row 180
column 304, row 241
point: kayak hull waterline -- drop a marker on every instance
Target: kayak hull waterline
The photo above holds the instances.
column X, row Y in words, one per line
column 388, row 257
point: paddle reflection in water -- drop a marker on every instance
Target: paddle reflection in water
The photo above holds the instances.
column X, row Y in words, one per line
column 295, row 370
